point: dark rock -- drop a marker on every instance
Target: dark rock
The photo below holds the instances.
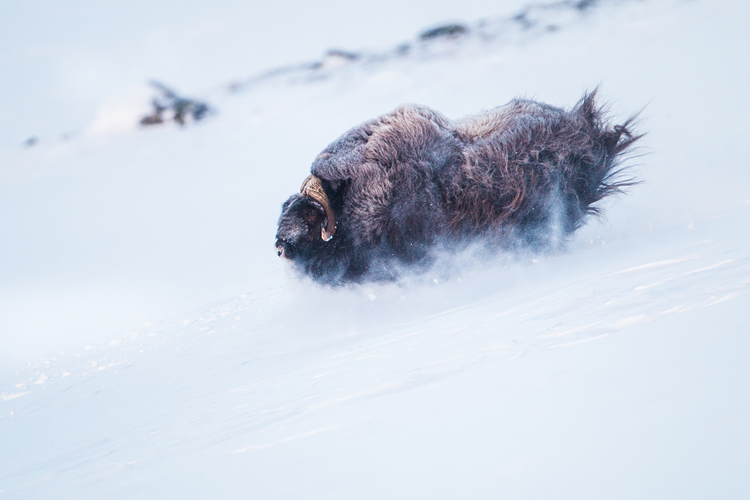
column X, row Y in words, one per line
column 446, row 31
column 182, row 109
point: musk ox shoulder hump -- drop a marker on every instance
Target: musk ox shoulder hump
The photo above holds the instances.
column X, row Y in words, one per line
column 405, row 133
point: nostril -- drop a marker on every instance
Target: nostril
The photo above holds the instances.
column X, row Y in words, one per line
column 281, row 249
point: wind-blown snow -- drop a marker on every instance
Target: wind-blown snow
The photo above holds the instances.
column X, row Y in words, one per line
column 153, row 345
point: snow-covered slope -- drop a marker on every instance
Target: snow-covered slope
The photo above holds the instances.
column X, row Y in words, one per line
column 153, row 345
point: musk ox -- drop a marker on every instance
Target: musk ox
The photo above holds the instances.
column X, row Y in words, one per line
column 389, row 191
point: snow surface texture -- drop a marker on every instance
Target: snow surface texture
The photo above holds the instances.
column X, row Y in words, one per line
column 187, row 362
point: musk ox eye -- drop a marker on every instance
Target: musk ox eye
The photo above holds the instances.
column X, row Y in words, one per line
column 311, row 215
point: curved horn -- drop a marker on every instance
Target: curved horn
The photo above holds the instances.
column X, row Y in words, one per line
column 313, row 188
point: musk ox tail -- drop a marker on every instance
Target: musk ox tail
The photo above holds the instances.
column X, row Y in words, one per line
column 601, row 174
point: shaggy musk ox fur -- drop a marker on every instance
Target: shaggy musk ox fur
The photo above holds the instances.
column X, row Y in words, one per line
column 387, row 192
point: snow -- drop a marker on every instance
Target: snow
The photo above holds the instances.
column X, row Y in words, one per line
column 153, row 345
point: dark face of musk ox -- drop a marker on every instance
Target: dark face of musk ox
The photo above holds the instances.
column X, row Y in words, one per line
column 299, row 240
column 300, row 226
